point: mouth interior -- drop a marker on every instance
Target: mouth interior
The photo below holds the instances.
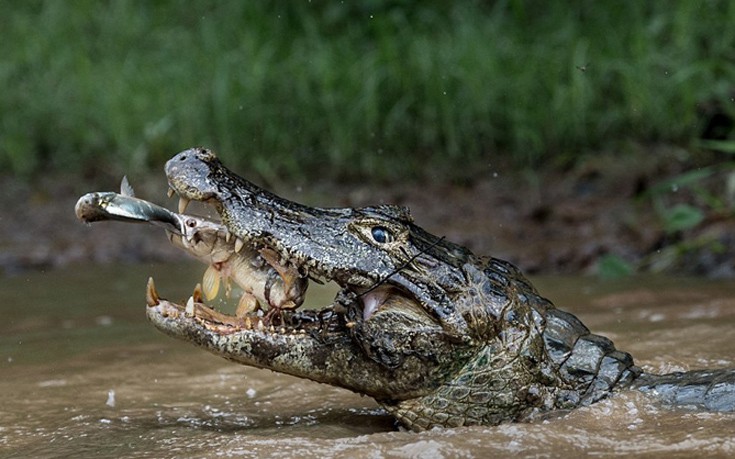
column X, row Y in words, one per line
column 271, row 288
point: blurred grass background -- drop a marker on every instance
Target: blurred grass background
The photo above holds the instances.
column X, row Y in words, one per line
column 372, row 90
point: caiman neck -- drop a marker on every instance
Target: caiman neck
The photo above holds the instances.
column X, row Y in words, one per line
column 535, row 358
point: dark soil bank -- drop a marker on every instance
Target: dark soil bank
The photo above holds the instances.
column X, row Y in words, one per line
column 545, row 222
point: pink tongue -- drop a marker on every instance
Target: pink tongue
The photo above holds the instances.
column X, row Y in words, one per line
column 371, row 301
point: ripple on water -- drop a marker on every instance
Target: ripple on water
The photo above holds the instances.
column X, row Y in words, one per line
column 171, row 400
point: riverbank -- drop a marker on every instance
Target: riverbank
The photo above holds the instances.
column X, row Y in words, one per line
column 604, row 216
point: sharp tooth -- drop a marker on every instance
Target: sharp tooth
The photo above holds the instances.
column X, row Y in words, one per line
column 272, row 329
column 183, row 203
column 248, row 323
column 261, row 327
column 151, row 296
column 210, row 282
column 283, row 331
column 170, row 192
column 190, row 307
column 239, row 244
column 228, row 235
column 197, row 295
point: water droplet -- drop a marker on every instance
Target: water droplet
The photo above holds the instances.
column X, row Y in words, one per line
column 104, row 321
column 110, row 398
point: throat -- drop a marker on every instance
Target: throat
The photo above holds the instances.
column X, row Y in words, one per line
column 373, row 300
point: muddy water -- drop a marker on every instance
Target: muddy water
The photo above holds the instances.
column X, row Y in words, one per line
column 83, row 375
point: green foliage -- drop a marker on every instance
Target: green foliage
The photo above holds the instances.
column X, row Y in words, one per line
column 723, row 146
column 671, row 256
column 711, row 188
column 380, row 88
column 683, row 202
column 682, row 217
column 611, row 266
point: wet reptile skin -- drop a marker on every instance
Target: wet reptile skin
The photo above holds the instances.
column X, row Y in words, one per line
column 457, row 339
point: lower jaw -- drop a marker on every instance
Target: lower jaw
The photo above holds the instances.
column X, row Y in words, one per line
column 287, row 322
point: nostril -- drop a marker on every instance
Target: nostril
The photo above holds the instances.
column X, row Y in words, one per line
column 182, row 158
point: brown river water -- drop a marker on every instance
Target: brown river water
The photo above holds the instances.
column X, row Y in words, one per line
column 82, row 374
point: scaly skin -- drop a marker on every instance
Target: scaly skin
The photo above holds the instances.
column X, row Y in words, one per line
column 437, row 335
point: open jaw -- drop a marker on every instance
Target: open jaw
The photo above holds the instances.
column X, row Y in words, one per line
column 327, row 344
column 266, row 303
column 272, row 288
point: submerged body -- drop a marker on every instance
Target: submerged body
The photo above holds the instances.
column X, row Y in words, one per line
column 437, row 335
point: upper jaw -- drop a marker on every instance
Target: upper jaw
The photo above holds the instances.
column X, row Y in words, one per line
column 315, row 269
column 353, row 283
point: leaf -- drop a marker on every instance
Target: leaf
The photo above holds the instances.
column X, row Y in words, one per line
column 681, row 181
column 682, row 217
column 723, row 146
column 613, row 267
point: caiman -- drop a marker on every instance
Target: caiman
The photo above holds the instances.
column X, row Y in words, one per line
column 439, row 336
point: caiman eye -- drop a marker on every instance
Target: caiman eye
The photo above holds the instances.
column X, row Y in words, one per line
column 381, row 234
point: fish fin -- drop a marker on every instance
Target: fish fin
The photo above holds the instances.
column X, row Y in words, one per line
column 125, row 188
column 247, row 305
column 211, row 282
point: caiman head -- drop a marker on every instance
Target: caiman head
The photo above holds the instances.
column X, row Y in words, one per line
column 438, row 336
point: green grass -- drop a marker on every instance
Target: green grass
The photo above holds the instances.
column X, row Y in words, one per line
column 385, row 89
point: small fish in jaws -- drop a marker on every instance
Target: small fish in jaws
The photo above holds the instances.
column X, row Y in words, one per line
column 257, row 273
column 263, row 280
